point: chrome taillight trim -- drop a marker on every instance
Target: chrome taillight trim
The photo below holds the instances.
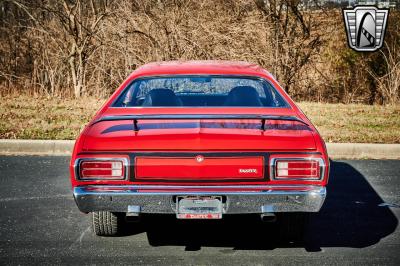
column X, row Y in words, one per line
column 77, row 164
column 272, row 167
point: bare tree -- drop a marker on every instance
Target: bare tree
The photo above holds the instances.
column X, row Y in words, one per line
column 81, row 21
column 74, row 48
column 76, row 24
column 292, row 38
column 388, row 84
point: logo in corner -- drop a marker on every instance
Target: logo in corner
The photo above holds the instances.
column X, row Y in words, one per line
column 365, row 26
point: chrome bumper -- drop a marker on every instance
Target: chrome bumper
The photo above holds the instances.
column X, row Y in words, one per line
column 237, row 199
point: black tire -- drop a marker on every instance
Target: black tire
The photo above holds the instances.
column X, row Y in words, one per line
column 293, row 226
column 106, row 223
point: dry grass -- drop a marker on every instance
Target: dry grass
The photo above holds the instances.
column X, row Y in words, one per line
column 355, row 122
column 25, row 117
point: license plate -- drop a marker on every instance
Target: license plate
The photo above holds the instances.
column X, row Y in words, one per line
column 195, row 207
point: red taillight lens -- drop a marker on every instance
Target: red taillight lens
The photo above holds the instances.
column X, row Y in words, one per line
column 307, row 169
column 102, row 170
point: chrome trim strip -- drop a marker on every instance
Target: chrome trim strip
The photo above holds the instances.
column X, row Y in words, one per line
column 254, row 77
column 207, row 187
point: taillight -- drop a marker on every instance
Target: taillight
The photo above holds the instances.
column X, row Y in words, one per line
column 297, row 168
column 101, row 169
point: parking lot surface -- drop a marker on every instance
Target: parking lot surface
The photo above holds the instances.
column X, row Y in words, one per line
column 39, row 223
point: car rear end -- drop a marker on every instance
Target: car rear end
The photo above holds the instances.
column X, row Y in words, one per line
column 199, row 163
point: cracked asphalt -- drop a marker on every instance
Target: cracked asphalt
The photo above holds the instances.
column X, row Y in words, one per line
column 40, row 224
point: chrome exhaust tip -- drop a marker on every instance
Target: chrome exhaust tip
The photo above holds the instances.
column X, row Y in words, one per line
column 268, row 217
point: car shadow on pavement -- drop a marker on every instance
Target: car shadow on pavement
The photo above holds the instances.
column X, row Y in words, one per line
column 351, row 217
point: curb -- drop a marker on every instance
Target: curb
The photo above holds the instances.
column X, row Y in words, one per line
column 363, row 151
column 64, row 148
column 36, row 147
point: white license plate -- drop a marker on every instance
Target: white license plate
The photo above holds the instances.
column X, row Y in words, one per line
column 199, row 207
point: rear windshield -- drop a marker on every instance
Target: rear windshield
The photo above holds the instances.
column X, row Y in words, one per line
column 200, row 91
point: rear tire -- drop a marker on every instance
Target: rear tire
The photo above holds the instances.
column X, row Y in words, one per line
column 293, row 226
column 106, row 223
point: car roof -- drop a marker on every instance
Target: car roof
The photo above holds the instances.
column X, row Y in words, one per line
column 211, row 67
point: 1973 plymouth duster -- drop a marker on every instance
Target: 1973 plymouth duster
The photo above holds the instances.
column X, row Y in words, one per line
column 200, row 140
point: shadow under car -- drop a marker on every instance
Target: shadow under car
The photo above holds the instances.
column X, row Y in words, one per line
column 350, row 217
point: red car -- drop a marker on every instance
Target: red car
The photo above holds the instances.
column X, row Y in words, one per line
column 200, row 140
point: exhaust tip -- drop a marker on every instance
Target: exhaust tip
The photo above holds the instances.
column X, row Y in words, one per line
column 268, row 217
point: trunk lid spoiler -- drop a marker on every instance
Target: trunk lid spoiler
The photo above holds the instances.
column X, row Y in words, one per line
column 135, row 118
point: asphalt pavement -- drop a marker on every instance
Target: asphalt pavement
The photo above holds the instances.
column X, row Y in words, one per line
column 40, row 224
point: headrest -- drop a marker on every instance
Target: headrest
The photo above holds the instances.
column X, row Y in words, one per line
column 243, row 96
column 161, row 97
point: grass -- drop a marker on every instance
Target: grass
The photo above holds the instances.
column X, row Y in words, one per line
column 23, row 117
column 355, row 122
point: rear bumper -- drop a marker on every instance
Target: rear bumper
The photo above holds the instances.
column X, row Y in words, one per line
column 236, row 199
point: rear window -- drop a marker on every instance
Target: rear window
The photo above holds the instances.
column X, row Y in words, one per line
column 200, row 91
